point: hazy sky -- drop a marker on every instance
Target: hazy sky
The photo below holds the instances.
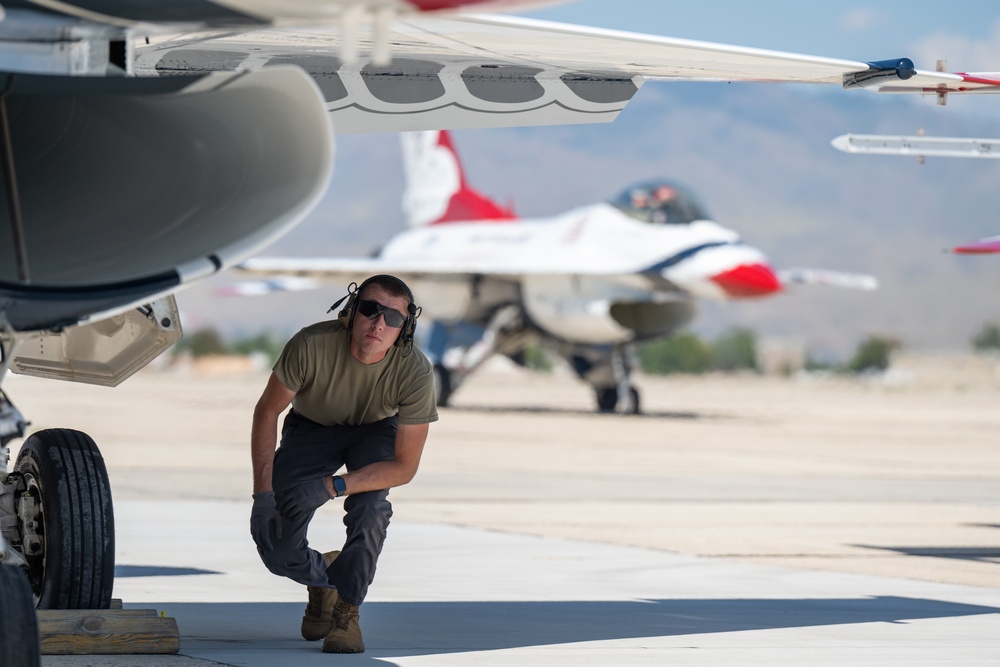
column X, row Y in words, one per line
column 964, row 32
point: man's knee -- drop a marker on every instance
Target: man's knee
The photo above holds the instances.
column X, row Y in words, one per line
column 368, row 511
column 290, row 560
column 280, row 560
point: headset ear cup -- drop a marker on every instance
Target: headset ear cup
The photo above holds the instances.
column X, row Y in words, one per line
column 411, row 321
column 405, row 337
column 406, row 331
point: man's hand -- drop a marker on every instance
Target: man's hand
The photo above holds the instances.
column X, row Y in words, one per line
column 303, row 498
column 265, row 521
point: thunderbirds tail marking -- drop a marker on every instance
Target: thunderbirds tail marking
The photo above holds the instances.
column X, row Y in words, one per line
column 436, row 189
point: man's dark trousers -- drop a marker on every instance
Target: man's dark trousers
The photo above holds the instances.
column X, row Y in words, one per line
column 309, row 450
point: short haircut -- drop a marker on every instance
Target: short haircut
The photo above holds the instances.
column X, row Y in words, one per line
column 390, row 284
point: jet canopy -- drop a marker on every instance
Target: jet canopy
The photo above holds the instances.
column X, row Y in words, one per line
column 660, row 203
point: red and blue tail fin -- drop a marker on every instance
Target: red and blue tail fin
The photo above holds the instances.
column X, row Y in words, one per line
column 436, row 190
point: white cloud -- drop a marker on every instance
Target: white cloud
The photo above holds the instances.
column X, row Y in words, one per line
column 963, row 54
column 861, row 19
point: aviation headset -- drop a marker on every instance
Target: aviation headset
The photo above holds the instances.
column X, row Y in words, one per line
column 405, row 337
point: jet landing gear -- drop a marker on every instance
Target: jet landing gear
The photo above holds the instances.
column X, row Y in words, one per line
column 67, row 528
column 18, row 623
column 607, row 400
column 57, row 544
column 609, row 372
column 505, row 333
column 57, row 520
column 626, row 395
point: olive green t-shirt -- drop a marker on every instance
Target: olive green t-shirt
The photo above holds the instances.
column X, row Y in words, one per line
column 332, row 387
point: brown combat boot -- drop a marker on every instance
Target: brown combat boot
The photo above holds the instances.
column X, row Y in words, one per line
column 345, row 635
column 318, row 619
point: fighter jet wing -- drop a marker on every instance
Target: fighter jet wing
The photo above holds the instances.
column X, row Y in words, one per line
column 266, row 275
column 344, row 270
column 489, row 71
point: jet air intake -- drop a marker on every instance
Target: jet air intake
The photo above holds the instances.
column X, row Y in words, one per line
column 129, row 187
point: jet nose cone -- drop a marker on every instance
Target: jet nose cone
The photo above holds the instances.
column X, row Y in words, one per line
column 748, row 280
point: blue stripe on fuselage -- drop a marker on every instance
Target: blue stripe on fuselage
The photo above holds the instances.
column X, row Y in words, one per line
column 685, row 254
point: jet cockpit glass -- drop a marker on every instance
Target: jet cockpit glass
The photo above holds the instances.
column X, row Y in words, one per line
column 660, row 203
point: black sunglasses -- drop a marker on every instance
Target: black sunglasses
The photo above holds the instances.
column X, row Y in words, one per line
column 372, row 309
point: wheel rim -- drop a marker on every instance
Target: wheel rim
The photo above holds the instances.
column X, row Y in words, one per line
column 31, row 493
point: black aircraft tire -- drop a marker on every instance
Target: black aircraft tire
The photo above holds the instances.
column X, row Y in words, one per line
column 19, row 643
column 607, row 398
column 76, row 567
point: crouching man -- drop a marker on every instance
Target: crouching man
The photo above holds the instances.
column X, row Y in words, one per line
column 362, row 397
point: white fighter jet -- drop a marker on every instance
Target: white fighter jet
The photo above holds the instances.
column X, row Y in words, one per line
column 148, row 144
column 589, row 283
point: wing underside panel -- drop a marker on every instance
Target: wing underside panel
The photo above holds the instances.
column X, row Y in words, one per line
column 488, row 71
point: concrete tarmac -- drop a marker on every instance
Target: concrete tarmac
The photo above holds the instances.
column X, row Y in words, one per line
column 447, row 595
column 741, row 520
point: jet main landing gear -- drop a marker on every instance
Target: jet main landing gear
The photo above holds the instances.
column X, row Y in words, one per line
column 57, row 536
column 610, row 374
column 66, row 520
column 608, row 401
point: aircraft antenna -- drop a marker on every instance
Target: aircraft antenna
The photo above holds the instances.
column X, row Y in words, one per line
column 942, row 96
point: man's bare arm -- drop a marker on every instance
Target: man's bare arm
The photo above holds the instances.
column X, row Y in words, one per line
column 410, row 439
column 264, row 432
